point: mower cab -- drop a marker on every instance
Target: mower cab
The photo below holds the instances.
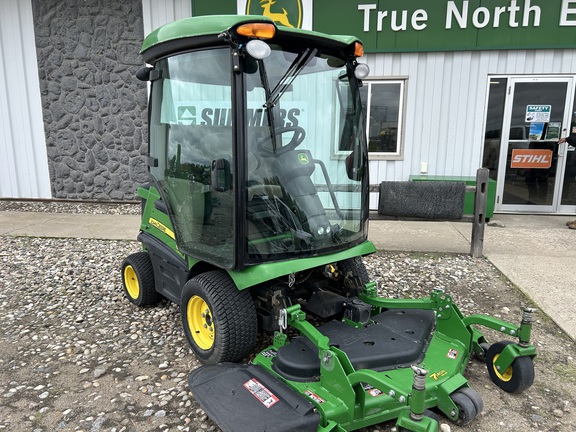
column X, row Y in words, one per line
column 256, row 220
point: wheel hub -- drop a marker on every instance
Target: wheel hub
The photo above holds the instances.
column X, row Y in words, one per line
column 131, row 282
column 200, row 322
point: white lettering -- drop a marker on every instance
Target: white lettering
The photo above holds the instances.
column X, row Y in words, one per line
column 482, row 16
column 566, row 11
column 394, row 21
column 381, row 16
column 419, row 19
column 497, row 13
column 513, row 8
column 478, row 23
column 453, row 11
column 528, row 8
column 398, row 19
column 367, row 8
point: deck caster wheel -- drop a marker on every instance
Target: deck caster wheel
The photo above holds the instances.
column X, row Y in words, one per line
column 517, row 378
column 219, row 321
column 466, row 407
column 138, row 280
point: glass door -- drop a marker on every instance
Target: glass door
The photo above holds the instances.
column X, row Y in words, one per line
column 532, row 163
column 568, row 152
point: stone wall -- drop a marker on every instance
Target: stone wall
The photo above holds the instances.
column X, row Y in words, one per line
column 94, row 107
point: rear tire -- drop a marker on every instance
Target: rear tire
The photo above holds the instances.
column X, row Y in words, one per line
column 138, row 280
column 219, row 321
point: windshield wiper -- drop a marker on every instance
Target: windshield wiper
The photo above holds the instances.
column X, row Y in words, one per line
column 288, row 78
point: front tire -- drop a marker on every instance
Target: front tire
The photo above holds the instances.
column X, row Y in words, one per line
column 355, row 273
column 517, row 378
column 219, row 321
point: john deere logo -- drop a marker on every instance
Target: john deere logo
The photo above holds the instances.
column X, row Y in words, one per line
column 284, row 12
column 303, row 158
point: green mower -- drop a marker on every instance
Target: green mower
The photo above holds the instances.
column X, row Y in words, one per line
column 255, row 221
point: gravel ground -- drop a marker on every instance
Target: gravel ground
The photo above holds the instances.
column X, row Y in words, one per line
column 76, row 356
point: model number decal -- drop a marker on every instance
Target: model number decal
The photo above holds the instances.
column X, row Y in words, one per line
column 161, row 227
column 265, row 396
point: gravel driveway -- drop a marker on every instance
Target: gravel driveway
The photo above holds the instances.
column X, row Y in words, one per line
column 76, row 356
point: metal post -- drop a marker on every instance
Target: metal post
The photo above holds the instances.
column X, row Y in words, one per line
column 480, row 199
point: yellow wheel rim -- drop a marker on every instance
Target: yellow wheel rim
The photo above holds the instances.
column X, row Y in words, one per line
column 507, row 375
column 200, row 323
column 131, row 282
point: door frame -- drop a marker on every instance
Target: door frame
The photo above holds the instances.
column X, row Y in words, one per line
column 556, row 206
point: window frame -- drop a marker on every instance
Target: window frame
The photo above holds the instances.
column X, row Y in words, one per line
column 402, row 81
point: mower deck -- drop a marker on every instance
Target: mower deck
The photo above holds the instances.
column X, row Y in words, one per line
column 397, row 338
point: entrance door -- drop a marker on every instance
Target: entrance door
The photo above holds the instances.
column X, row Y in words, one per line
column 532, row 169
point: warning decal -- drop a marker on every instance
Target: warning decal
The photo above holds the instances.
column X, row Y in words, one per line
column 265, row 396
column 314, row 397
column 452, row 354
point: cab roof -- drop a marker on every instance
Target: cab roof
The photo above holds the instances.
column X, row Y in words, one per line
column 206, row 30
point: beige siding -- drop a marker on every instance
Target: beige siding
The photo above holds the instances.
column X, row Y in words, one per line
column 23, row 160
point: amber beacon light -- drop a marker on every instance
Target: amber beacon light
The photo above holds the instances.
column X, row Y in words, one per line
column 257, row 30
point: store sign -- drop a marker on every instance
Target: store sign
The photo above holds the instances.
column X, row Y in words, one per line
column 530, row 158
column 421, row 25
column 444, row 25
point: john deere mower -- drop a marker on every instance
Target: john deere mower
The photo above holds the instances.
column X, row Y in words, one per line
column 255, row 222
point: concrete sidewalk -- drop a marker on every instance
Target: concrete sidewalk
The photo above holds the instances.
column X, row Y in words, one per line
column 537, row 253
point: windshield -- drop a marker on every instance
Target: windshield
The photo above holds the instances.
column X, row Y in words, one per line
column 305, row 155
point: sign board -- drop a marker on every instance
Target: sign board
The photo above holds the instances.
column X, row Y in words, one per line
column 531, row 158
column 538, row 113
column 421, row 25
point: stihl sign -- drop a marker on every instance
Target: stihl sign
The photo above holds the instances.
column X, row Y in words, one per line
column 528, row 158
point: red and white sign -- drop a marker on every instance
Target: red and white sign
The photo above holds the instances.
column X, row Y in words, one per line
column 265, row 396
column 531, row 158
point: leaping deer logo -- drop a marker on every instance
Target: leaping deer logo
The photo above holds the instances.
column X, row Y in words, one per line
column 280, row 18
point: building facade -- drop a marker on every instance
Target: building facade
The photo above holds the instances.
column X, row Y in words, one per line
column 454, row 86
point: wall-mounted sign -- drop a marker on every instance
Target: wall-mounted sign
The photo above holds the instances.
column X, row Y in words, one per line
column 421, row 25
column 531, row 158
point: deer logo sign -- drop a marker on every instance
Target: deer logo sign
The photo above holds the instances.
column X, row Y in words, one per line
column 284, row 12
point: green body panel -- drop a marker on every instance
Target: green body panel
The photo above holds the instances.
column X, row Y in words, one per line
column 254, row 275
column 156, row 222
column 214, row 25
column 469, row 197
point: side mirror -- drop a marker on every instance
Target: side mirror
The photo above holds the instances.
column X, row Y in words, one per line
column 221, row 177
column 353, row 167
column 148, row 74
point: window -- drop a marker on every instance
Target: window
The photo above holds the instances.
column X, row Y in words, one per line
column 383, row 103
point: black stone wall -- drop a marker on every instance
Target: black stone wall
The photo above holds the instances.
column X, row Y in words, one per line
column 94, row 107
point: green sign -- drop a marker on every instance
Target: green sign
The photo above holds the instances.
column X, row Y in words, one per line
column 424, row 25
column 445, row 25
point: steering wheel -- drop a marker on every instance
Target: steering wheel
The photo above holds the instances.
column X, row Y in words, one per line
column 297, row 138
